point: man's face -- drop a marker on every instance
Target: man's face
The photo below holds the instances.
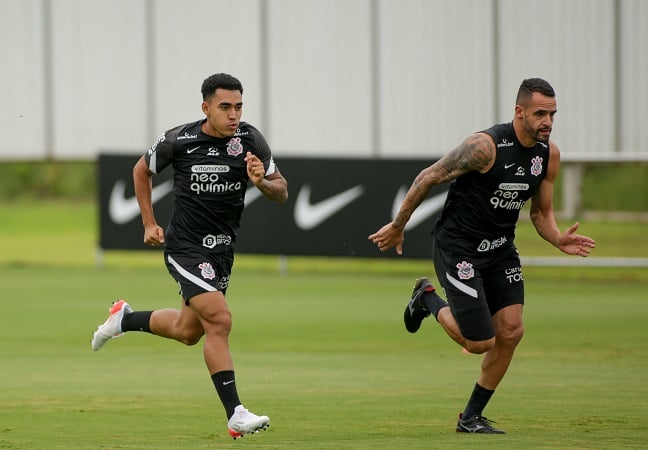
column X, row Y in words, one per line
column 223, row 111
column 538, row 116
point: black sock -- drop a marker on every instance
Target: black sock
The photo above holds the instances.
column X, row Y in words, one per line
column 478, row 400
column 433, row 302
column 225, row 385
column 137, row 321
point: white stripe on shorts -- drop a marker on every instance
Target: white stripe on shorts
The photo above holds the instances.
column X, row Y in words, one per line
column 462, row 286
column 191, row 277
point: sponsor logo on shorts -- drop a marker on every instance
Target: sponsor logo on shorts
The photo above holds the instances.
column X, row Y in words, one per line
column 207, row 271
column 223, row 283
column 486, row 245
column 211, row 241
column 514, row 274
column 466, row 271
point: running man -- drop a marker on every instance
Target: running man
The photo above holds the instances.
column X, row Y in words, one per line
column 213, row 159
column 493, row 173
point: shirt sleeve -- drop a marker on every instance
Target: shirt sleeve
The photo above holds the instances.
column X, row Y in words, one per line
column 263, row 152
column 160, row 155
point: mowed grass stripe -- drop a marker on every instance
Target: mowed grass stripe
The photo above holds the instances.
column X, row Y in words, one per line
column 325, row 355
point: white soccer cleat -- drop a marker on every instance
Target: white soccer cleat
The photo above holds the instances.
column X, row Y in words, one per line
column 111, row 328
column 244, row 422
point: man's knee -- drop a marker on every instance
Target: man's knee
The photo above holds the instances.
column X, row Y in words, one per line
column 213, row 312
column 479, row 347
column 510, row 334
column 190, row 337
column 219, row 322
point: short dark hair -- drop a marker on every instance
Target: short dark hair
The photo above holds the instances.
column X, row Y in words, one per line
column 220, row 81
column 531, row 85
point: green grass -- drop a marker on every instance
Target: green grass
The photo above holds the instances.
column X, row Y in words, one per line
column 321, row 349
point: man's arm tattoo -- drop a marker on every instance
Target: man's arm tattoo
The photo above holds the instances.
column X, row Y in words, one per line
column 475, row 153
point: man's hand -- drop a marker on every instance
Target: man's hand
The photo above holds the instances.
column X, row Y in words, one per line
column 153, row 235
column 387, row 237
column 575, row 244
column 255, row 169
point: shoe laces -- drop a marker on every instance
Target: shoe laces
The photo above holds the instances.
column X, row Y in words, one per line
column 483, row 420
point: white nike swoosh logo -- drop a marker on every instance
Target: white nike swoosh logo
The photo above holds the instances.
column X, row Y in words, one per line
column 251, row 195
column 122, row 210
column 308, row 216
column 506, row 166
column 426, row 209
column 191, row 150
column 225, row 383
column 411, row 307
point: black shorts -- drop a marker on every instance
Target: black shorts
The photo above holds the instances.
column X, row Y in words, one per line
column 199, row 272
column 477, row 286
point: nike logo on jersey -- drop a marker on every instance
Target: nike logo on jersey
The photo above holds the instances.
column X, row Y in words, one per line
column 506, row 166
column 427, row 208
column 122, row 210
column 308, row 216
column 193, row 149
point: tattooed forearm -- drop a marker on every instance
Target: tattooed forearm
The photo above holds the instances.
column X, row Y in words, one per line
column 475, row 153
column 416, row 194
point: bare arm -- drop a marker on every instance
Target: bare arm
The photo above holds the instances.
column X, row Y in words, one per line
column 274, row 187
column 544, row 220
column 477, row 152
column 153, row 233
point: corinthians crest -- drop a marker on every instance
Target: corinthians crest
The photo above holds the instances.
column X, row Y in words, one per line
column 234, row 147
column 536, row 166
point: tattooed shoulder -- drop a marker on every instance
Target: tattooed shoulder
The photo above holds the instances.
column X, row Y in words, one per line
column 475, row 153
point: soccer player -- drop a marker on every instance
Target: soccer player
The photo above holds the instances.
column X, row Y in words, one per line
column 493, row 173
column 213, row 159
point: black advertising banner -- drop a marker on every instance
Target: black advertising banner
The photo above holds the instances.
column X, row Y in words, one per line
column 333, row 205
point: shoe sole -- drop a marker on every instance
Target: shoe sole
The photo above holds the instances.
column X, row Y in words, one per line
column 239, row 434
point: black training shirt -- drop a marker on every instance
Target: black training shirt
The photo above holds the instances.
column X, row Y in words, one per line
column 210, row 180
column 481, row 210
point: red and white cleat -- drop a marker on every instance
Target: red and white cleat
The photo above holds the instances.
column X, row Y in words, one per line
column 111, row 328
column 244, row 422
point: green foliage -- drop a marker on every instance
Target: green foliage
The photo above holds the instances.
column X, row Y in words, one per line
column 47, row 180
column 616, row 188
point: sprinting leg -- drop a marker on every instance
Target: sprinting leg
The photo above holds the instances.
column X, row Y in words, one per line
column 509, row 330
column 216, row 320
column 508, row 333
column 182, row 325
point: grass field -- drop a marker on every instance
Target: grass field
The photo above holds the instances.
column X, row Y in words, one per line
column 321, row 349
